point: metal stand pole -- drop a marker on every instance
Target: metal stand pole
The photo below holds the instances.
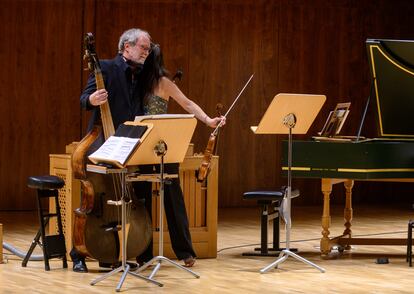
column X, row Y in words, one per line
column 289, row 121
column 161, row 149
column 125, row 268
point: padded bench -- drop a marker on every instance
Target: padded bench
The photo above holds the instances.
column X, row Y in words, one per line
column 271, row 204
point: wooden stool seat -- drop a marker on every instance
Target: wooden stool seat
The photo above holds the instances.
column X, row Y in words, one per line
column 264, row 195
column 53, row 245
column 45, row 182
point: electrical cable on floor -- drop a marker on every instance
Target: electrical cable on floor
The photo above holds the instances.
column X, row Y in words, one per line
column 307, row 240
column 20, row 253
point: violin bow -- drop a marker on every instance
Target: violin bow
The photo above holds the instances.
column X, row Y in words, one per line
column 232, row 105
column 219, row 107
column 211, row 145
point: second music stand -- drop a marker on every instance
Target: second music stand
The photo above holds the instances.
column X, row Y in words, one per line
column 289, row 114
column 172, row 132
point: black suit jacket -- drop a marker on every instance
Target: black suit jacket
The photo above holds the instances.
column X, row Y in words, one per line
column 124, row 103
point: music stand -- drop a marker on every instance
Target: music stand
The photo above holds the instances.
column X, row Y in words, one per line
column 172, row 132
column 125, row 268
column 289, row 114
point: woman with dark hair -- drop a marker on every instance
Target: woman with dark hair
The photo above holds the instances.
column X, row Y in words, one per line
column 156, row 89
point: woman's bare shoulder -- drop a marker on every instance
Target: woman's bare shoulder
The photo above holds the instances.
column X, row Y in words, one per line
column 168, row 86
column 163, row 88
column 165, row 81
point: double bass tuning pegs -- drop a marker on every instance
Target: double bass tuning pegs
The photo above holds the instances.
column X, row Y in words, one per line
column 86, row 57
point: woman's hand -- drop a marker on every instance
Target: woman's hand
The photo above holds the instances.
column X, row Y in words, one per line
column 214, row 122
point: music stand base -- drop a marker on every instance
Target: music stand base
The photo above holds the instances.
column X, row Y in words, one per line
column 160, row 149
column 270, row 252
column 158, row 260
column 283, row 256
column 123, row 277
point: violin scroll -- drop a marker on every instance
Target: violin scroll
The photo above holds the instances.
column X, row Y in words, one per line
column 177, row 76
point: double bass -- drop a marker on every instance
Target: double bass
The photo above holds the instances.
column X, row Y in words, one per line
column 97, row 225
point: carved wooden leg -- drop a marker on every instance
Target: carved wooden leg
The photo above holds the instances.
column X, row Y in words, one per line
column 348, row 209
column 326, row 216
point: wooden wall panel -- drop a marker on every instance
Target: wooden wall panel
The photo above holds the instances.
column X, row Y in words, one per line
column 39, row 112
column 290, row 45
column 323, row 45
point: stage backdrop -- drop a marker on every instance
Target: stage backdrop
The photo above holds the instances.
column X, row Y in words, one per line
column 315, row 47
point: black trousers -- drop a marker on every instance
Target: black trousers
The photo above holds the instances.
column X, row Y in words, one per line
column 175, row 212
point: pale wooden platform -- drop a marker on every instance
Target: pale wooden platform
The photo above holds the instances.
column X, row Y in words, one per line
column 232, row 273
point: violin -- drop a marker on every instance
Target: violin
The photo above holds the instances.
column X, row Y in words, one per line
column 204, row 168
column 211, row 149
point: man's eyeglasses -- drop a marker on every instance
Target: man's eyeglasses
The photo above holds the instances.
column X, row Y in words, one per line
column 145, row 48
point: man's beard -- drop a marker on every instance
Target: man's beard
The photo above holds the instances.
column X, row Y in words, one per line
column 136, row 66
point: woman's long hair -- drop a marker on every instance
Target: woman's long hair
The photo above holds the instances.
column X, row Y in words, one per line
column 152, row 72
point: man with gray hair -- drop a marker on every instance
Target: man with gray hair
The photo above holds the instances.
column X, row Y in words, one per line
column 124, row 94
column 121, row 92
column 120, row 76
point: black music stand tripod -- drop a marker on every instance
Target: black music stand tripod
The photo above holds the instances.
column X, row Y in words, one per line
column 289, row 113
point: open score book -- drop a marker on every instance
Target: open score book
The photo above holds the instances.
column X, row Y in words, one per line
column 118, row 148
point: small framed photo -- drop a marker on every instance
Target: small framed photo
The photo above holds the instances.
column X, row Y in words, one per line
column 335, row 120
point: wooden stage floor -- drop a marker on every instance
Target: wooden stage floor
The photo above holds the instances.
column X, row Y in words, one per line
column 231, row 272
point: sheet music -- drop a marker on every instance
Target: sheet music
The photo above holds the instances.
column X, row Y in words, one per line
column 114, row 150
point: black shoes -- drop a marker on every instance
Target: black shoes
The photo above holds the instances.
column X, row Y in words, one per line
column 132, row 265
column 80, row 266
column 141, row 261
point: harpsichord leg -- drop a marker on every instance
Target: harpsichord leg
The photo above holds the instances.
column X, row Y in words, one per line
column 326, row 216
column 348, row 210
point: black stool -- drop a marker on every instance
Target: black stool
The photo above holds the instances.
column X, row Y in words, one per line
column 53, row 245
column 410, row 242
column 271, row 202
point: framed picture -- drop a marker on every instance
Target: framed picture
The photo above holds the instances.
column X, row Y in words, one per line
column 335, row 120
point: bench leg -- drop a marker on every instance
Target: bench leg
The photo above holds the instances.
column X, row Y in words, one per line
column 263, row 233
column 32, row 247
column 410, row 243
column 276, row 234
